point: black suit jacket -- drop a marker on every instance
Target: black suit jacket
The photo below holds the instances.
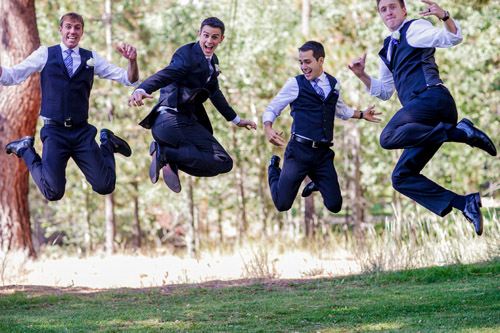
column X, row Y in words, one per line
column 184, row 86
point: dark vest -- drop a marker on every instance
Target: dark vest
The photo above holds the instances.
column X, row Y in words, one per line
column 64, row 97
column 312, row 117
column 413, row 69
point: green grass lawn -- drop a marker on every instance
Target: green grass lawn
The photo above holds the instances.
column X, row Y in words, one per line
column 464, row 297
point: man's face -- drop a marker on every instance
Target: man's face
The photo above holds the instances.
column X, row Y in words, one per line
column 71, row 32
column 210, row 38
column 311, row 67
column 392, row 13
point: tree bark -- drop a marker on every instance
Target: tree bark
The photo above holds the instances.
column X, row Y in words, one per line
column 19, row 107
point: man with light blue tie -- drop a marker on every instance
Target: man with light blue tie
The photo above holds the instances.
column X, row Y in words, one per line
column 66, row 78
column 315, row 101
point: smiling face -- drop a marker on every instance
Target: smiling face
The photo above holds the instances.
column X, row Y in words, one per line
column 392, row 13
column 210, row 38
column 71, row 32
column 310, row 66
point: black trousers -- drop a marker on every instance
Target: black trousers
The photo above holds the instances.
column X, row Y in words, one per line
column 301, row 161
column 78, row 142
column 189, row 145
column 421, row 127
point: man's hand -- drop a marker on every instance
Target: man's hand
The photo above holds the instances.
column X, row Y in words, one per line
column 137, row 97
column 273, row 135
column 248, row 124
column 127, row 51
column 369, row 115
column 358, row 66
column 432, row 9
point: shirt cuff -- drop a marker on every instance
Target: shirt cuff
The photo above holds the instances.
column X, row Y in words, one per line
column 268, row 116
column 236, row 120
column 139, row 90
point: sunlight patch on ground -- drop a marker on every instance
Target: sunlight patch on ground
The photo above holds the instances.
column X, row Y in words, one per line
column 137, row 271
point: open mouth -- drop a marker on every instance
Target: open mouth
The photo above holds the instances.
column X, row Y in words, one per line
column 208, row 49
column 307, row 73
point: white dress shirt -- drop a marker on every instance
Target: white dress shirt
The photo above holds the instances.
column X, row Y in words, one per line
column 420, row 34
column 290, row 92
column 37, row 60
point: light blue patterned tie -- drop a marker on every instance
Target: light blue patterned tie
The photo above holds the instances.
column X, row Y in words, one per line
column 68, row 61
column 318, row 89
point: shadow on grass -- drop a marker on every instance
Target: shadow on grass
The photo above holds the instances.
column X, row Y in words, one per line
column 439, row 298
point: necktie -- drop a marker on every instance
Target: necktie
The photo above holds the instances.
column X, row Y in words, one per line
column 210, row 67
column 318, row 89
column 68, row 61
column 392, row 48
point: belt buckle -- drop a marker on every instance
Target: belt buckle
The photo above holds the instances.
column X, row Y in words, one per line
column 68, row 122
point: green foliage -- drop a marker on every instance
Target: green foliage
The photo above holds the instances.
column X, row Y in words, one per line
column 437, row 299
column 257, row 56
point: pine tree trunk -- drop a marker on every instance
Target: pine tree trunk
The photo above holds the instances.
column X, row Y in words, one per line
column 19, row 107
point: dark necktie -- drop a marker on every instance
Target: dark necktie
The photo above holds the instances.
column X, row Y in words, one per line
column 318, row 89
column 68, row 61
column 210, row 67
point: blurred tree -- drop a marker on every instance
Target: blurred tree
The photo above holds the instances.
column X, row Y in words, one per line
column 19, row 108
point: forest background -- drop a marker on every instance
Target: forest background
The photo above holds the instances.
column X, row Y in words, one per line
column 257, row 56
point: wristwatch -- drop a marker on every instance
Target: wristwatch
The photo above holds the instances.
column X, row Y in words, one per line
column 360, row 114
column 446, row 16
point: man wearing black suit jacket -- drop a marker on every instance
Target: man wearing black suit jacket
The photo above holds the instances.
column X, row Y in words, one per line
column 179, row 122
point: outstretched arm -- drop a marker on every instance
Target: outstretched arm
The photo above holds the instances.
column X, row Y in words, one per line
column 129, row 52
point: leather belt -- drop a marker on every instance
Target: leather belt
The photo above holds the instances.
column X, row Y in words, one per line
column 67, row 123
column 311, row 143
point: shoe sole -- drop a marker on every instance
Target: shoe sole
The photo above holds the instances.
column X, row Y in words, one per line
column 480, row 231
column 171, row 179
column 154, row 172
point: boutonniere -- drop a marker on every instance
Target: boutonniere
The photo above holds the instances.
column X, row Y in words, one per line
column 395, row 37
column 217, row 69
column 90, row 63
column 337, row 88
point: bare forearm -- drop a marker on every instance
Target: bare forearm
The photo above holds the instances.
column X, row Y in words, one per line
column 366, row 79
column 133, row 71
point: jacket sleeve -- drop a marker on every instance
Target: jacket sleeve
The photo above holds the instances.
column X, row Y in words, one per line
column 221, row 104
column 177, row 70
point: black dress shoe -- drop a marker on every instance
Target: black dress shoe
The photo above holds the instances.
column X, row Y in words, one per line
column 171, row 177
column 472, row 211
column 119, row 145
column 19, row 147
column 275, row 161
column 476, row 138
column 309, row 189
column 154, row 168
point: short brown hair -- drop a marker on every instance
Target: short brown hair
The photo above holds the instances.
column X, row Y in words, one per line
column 401, row 2
column 71, row 16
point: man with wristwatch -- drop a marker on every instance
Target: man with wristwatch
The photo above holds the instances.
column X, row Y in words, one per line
column 429, row 115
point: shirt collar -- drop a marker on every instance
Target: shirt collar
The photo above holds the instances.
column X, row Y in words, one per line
column 322, row 77
column 402, row 24
column 75, row 49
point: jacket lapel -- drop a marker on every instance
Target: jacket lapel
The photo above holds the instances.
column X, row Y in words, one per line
column 202, row 60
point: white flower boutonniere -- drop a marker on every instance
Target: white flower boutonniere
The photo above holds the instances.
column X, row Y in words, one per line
column 338, row 87
column 90, row 62
column 396, row 35
column 217, row 69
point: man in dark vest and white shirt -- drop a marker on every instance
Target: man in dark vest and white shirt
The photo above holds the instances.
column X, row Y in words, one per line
column 66, row 76
column 429, row 115
column 315, row 101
